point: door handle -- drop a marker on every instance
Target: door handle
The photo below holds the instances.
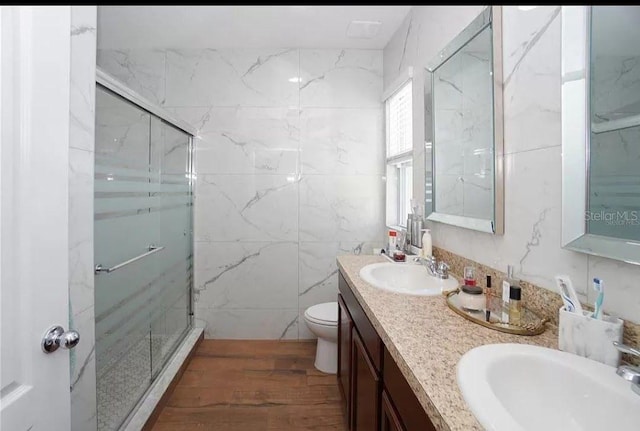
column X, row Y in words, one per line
column 57, row 337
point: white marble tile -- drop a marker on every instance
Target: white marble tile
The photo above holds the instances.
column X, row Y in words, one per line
column 532, row 239
column 142, row 70
column 228, row 77
column 342, row 141
column 532, row 82
column 401, row 50
column 246, row 208
column 83, row 373
column 621, row 294
column 82, row 77
column 341, row 208
column 318, row 272
column 245, row 140
column 82, row 364
column 348, row 78
column 251, row 324
column 81, row 272
column 243, row 275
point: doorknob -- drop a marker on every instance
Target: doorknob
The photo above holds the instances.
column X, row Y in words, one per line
column 56, row 337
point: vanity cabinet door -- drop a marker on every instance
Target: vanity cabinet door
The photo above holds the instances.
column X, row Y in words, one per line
column 390, row 418
column 345, row 324
column 365, row 388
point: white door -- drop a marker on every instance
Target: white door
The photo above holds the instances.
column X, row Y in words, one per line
column 34, row 293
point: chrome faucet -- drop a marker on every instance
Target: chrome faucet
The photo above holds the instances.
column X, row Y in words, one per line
column 629, row 372
column 435, row 269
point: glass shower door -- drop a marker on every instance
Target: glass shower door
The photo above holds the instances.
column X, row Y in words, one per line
column 170, row 155
column 123, row 229
column 142, row 234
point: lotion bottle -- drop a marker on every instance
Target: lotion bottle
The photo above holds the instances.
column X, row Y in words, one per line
column 509, row 283
column 427, row 249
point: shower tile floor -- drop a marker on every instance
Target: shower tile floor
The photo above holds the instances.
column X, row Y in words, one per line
column 124, row 381
column 121, row 385
column 253, row 386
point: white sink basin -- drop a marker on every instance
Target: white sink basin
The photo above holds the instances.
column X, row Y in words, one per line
column 517, row 387
column 407, row 278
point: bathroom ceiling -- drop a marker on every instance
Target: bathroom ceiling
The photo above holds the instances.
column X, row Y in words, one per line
column 243, row 26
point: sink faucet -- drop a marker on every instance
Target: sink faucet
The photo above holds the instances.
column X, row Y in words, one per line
column 629, row 372
column 439, row 270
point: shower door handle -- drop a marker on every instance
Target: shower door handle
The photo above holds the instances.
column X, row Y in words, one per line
column 152, row 249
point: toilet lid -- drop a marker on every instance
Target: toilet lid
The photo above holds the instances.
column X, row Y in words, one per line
column 324, row 314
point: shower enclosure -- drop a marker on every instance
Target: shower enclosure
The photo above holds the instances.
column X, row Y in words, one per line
column 143, row 245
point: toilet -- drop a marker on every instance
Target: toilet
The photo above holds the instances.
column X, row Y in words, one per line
column 322, row 320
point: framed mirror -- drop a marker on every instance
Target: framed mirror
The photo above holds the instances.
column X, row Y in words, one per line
column 464, row 131
column 601, row 131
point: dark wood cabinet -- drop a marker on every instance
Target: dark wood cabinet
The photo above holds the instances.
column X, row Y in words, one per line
column 345, row 325
column 404, row 401
column 365, row 387
column 389, row 420
column 375, row 393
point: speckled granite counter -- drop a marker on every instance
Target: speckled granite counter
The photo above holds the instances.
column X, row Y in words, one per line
column 427, row 339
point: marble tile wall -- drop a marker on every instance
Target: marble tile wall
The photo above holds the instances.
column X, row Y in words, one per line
column 532, row 116
column 81, row 158
column 290, row 162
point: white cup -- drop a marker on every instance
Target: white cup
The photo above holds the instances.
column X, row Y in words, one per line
column 592, row 338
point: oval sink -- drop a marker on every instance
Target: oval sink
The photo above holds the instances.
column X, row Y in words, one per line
column 518, row 387
column 407, row 278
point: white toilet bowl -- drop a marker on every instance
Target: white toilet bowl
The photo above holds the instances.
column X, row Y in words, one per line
column 322, row 320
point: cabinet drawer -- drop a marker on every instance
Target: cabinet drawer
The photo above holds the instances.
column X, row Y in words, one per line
column 409, row 409
column 370, row 339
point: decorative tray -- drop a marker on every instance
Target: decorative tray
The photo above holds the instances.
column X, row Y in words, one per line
column 530, row 322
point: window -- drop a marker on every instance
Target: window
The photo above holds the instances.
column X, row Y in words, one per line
column 399, row 126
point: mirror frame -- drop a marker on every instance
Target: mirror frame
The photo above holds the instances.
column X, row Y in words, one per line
column 490, row 16
column 576, row 138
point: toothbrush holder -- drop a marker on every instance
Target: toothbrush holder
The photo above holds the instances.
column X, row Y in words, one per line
column 592, row 338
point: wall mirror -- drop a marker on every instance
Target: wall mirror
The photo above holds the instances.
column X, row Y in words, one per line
column 463, row 93
column 601, row 131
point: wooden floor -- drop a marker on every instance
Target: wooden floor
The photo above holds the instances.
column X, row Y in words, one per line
column 253, row 386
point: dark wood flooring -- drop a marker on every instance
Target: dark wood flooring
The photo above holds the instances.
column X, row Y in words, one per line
column 235, row 385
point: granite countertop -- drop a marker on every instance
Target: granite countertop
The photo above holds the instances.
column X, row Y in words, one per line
column 427, row 339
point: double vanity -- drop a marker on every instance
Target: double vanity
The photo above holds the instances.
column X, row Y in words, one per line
column 407, row 362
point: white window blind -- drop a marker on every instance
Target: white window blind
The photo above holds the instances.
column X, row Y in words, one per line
column 399, row 122
column 399, row 115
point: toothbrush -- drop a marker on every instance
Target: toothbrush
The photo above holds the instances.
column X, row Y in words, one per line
column 598, row 286
column 568, row 294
